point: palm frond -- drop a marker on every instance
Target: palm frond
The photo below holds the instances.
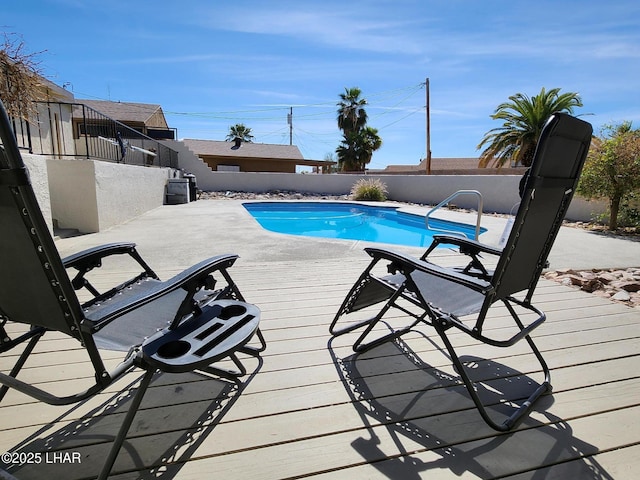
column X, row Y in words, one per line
column 523, row 118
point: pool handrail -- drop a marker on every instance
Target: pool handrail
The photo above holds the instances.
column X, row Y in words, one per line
column 447, row 200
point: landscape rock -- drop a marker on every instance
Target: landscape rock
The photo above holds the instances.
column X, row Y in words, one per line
column 620, row 285
column 271, row 195
column 622, row 296
column 632, row 286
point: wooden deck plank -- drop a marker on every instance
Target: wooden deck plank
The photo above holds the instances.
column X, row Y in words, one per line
column 296, row 416
column 619, row 463
column 379, row 453
column 308, row 358
column 317, row 356
column 292, row 393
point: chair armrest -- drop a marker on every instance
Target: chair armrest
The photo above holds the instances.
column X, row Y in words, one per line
column 93, row 255
column 470, row 248
column 467, row 246
column 91, row 258
column 407, row 264
column 191, row 280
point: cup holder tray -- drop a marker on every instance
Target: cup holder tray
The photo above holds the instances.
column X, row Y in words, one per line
column 223, row 327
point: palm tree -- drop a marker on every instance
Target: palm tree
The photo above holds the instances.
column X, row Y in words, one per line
column 356, row 149
column 523, row 118
column 358, row 140
column 351, row 114
column 239, row 133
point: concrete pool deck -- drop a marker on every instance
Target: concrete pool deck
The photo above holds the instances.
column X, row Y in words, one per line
column 208, row 227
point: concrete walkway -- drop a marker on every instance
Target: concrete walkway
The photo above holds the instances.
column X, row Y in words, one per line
column 179, row 235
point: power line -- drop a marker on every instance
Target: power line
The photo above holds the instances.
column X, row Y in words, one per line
column 402, row 118
column 230, row 115
column 209, row 123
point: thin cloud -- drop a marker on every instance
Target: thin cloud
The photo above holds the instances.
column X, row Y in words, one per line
column 340, row 29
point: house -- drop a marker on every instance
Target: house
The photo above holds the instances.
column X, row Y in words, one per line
column 251, row 157
column 149, row 120
column 449, row 166
column 48, row 130
column 145, row 118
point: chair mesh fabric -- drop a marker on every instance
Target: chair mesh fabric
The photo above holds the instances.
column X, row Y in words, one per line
column 450, row 297
column 559, row 157
column 134, row 327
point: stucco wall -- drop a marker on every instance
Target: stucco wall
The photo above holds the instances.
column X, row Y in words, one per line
column 91, row 196
column 38, row 174
column 73, row 194
column 126, row 191
column 499, row 192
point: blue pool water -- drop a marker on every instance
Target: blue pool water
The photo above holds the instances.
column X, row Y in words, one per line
column 352, row 221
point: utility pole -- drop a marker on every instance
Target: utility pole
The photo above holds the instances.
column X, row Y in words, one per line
column 290, row 122
column 426, row 83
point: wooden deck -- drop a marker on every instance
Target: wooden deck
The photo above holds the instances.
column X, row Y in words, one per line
column 310, row 409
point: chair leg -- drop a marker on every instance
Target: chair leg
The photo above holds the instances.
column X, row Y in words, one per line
column 364, row 292
column 359, row 345
column 359, row 297
column 126, row 424
column 22, row 359
column 344, row 308
column 255, row 351
column 233, row 375
column 526, row 406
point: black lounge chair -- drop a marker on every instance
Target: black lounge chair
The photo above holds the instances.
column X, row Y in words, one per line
column 462, row 297
column 188, row 323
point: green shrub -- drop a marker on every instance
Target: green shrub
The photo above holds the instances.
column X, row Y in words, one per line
column 370, row 190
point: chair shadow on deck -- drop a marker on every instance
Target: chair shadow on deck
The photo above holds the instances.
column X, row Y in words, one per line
column 421, row 418
column 175, row 418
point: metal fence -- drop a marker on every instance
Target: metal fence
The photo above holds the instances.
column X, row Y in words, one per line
column 74, row 130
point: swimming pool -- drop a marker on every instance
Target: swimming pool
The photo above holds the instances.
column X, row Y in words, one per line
column 352, row 221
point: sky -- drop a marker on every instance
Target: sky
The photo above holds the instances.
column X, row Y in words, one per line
column 213, row 64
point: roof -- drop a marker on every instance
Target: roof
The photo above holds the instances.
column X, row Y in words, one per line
column 451, row 166
column 246, row 149
column 438, row 164
column 124, row 111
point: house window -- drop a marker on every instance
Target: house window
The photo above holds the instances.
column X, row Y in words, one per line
column 228, row 168
column 95, row 130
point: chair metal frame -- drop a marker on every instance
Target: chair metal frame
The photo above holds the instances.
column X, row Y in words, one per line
column 444, row 298
column 199, row 324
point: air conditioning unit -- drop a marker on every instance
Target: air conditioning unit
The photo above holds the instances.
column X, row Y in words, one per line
column 177, row 191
